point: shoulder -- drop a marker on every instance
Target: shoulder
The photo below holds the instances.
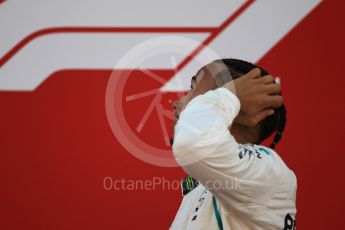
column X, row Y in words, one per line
column 263, row 162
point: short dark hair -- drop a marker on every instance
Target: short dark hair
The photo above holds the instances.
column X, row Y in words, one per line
column 273, row 123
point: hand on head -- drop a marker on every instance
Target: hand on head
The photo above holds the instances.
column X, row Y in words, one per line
column 259, row 96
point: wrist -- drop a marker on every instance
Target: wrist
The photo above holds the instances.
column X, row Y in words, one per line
column 230, row 86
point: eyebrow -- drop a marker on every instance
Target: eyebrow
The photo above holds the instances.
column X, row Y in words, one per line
column 194, row 77
column 191, row 81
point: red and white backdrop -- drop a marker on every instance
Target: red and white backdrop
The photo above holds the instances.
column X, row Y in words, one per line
column 86, row 90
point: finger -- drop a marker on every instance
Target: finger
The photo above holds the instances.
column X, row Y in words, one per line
column 255, row 73
column 272, row 101
column 270, row 89
column 268, row 79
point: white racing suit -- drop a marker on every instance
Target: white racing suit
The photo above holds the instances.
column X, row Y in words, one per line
column 252, row 186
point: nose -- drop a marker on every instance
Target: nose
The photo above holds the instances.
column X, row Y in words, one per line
column 176, row 103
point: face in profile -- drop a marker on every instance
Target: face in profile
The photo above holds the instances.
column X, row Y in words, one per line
column 203, row 81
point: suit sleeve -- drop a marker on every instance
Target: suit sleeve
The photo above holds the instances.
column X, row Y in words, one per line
column 241, row 179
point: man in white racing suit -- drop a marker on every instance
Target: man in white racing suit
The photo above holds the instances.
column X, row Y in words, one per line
column 233, row 182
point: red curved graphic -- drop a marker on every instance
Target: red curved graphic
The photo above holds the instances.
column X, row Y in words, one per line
column 214, row 32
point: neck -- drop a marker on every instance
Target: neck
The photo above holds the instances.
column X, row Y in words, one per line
column 244, row 134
